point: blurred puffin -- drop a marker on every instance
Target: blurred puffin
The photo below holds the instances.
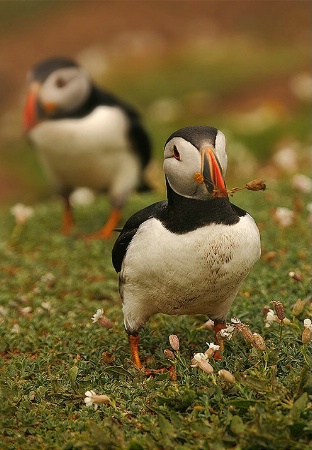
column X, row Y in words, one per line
column 189, row 254
column 85, row 136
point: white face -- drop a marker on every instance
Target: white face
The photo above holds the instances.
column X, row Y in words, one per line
column 183, row 165
column 66, row 88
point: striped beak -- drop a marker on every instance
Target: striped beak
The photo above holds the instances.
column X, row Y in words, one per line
column 30, row 117
column 212, row 173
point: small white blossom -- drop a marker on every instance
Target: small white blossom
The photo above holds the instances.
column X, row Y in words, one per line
column 284, row 216
column 201, row 360
column 3, row 311
column 92, row 399
column 307, row 323
column 286, row 158
column 99, row 313
column 270, row 318
column 227, row 333
column 89, row 399
column 213, row 346
column 15, row 329
column 302, row 183
column 46, row 305
column 47, row 278
column 26, row 310
column 199, row 357
column 21, row 213
column 82, row 196
column 101, row 319
column 235, row 320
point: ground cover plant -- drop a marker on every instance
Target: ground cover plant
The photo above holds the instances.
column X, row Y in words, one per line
column 52, row 353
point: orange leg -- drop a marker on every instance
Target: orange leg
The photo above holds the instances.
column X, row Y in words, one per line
column 218, row 326
column 68, row 219
column 134, row 348
column 107, row 230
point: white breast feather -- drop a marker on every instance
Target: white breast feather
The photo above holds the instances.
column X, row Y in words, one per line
column 89, row 152
column 194, row 273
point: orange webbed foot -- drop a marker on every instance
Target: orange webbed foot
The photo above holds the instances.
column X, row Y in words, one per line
column 108, row 229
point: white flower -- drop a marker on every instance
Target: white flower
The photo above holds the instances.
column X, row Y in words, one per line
column 213, row 346
column 307, row 323
column 47, row 278
column 227, row 333
column 82, row 196
column 3, row 311
column 16, row 329
column 286, row 158
column 46, row 305
column 101, row 319
column 99, row 313
column 200, row 360
column 284, row 216
column 199, row 357
column 302, row 183
column 301, row 85
column 89, row 399
column 21, row 213
column 235, row 321
column 270, row 318
column 93, row 399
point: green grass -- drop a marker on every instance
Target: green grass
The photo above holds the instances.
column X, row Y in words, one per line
column 46, row 368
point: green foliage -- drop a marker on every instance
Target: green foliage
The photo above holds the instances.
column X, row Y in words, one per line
column 51, row 352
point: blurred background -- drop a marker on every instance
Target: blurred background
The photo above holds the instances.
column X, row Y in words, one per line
column 241, row 66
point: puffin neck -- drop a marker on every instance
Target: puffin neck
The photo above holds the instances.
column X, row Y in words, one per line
column 186, row 214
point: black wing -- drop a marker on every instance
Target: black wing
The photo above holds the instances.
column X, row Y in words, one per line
column 130, row 228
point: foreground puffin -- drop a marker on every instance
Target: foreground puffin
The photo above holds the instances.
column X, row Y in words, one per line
column 85, row 136
column 189, row 254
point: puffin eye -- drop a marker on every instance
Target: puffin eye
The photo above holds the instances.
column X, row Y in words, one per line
column 60, row 82
column 176, row 153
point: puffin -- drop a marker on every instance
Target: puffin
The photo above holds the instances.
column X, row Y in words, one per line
column 85, row 137
column 188, row 254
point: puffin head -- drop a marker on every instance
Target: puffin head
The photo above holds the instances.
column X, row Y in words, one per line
column 56, row 87
column 195, row 162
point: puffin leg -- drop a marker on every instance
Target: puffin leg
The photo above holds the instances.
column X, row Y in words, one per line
column 218, row 326
column 68, row 218
column 112, row 222
column 107, row 230
column 134, row 340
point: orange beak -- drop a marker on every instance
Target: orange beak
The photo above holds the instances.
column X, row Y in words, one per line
column 212, row 173
column 30, row 117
